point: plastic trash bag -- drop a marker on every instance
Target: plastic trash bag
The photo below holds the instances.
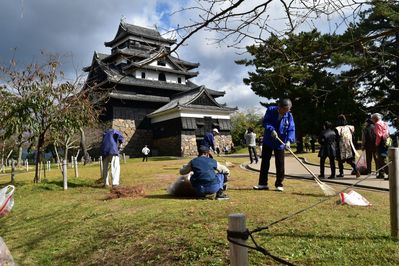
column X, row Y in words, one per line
column 6, row 200
column 5, row 255
column 182, row 187
column 353, row 198
column 361, row 164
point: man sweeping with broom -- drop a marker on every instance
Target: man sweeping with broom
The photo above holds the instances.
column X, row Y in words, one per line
column 279, row 124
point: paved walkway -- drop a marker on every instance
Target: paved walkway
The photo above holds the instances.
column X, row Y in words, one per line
column 295, row 170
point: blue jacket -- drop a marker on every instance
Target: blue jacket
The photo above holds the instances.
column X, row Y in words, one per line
column 284, row 128
column 111, row 140
column 209, row 140
column 204, row 172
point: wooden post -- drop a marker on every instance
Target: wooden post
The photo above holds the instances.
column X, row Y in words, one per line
column 64, row 174
column 124, row 158
column 101, row 167
column 394, row 191
column 238, row 254
column 27, row 165
column 76, row 167
column 12, row 172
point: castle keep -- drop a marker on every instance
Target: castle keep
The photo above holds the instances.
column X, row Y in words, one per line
column 150, row 97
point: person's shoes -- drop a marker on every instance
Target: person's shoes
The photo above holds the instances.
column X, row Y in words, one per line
column 386, row 177
column 251, row 162
column 261, row 187
column 256, row 162
column 357, row 174
column 321, row 176
column 281, row 189
column 340, row 176
column 380, row 176
column 331, row 177
column 221, row 196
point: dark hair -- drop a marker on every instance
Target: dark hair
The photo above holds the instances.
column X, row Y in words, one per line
column 327, row 125
column 285, row 103
column 250, row 129
column 341, row 120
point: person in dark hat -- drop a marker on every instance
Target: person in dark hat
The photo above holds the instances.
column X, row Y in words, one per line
column 208, row 176
column 368, row 143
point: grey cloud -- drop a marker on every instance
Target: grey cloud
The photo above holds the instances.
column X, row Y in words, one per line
column 79, row 28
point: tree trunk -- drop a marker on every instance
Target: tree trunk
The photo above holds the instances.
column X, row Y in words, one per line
column 66, row 152
column 19, row 162
column 86, row 156
column 38, row 156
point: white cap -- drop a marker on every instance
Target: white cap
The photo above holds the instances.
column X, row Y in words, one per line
column 215, row 130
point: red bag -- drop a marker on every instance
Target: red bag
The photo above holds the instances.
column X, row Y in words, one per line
column 361, row 164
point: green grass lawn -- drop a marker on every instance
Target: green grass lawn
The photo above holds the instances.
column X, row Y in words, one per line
column 49, row 226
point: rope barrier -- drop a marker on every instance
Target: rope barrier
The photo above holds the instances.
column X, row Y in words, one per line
column 248, row 234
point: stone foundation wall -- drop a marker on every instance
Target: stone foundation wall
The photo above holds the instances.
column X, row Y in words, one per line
column 189, row 145
column 135, row 139
column 222, row 141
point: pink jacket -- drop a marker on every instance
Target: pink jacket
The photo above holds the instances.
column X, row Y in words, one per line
column 381, row 131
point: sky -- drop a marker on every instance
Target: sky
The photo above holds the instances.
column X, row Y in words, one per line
column 77, row 28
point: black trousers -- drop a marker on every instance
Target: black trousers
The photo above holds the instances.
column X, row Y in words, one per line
column 370, row 154
column 145, row 158
column 350, row 161
column 252, row 154
column 265, row 165
column 332, row 164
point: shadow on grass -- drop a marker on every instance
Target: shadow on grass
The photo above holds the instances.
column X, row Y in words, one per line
column 74, row 183
column 330, row 237
column 167, row 196
column 316, row 195
column 164, row 158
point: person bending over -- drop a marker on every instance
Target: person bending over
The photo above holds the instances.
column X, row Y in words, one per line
column 209, row 176
column 279, row 125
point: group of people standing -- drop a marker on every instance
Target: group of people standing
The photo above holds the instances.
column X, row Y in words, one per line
column 337, row 144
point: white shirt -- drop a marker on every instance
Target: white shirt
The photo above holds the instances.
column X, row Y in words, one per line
column 145, row 150
column 250, row 139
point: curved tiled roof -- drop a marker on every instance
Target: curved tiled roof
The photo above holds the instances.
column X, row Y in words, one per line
column 142, row 32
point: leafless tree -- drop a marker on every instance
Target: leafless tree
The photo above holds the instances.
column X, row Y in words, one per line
column 237, row 23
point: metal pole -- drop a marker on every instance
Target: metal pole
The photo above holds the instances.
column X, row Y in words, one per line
column 238, row 254
column 394, row 191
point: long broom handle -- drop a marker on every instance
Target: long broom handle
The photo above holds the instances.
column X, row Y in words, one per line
column 299, row 160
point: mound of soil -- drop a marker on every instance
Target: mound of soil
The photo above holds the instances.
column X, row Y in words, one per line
column 126, row 192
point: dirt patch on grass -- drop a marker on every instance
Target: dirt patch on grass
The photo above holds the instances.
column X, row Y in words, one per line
column 126, row 192
column 167, row 177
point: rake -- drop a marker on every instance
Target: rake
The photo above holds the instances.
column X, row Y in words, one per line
column 328, row 190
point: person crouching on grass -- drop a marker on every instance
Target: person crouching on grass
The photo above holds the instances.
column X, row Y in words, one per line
column 209, row 176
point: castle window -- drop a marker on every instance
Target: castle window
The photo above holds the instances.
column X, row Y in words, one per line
column 143, row 75
column 179, row 80
column 161, row 77
column 161, row 63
